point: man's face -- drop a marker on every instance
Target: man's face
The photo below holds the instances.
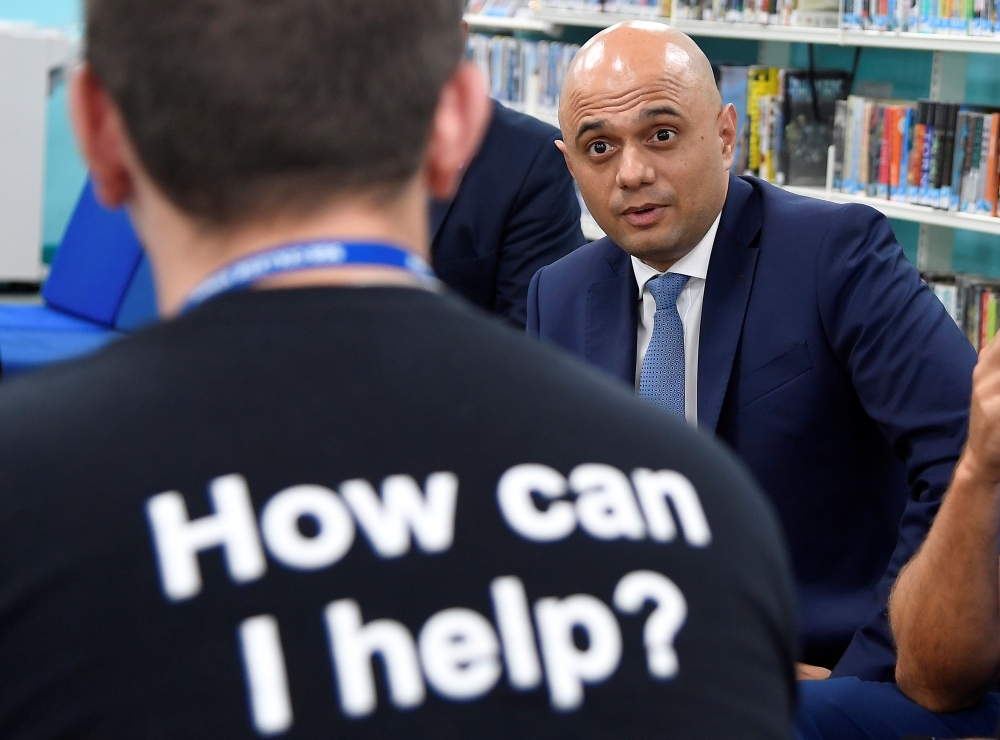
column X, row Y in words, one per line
column 649, row 147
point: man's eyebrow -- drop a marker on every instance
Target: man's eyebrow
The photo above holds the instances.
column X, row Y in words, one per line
column 591, row 126
column 663, row 110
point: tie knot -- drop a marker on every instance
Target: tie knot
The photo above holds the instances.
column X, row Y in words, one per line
column 666, row 288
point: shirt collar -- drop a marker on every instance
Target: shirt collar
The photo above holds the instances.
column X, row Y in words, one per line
column 694, row 263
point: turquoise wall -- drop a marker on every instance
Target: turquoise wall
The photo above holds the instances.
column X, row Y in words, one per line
column 908, row 72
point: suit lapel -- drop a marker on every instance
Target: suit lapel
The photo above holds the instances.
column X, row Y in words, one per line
column 439, row 212
column 727, row 293
column 613, row 318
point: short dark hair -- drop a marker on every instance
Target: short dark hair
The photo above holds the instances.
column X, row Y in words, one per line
column 242, row 109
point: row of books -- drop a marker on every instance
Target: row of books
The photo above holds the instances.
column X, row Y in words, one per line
column 786, row 120
column 500, row 8
column 526, row 75
column 641, row 8
column 971, row 301
column 943, row 155
column 781, row 12
column 953, row 17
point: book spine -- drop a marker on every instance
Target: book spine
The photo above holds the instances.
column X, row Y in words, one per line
column 896, row 120
column 885, row 155
column 874, row 150
column 973, row 313
column 859, row 156
column 851, row 144
column 971, row 160
column 984, row 165
column 991, row 167
column 864, row 158
column 984, row 319
column 991, row 317
column 917, row 154
column 839, row 136
column 937, row 154
column 754, row 91
column 777, row 108
column 996, row 174
column 927, row 154
column 958, row 162
column 778, row 140
column 947, row 157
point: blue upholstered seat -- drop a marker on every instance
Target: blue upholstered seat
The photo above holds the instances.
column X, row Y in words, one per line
column 100, row 287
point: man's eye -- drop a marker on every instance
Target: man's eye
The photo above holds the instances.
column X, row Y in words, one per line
column 599, row 147
column 664, row 135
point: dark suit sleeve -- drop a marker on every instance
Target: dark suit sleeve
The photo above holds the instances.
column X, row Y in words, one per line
column 543, row 225
column 911, row 367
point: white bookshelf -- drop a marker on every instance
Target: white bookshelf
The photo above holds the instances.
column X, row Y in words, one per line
column 787, row 34
column 501, row 23
column 909, row 212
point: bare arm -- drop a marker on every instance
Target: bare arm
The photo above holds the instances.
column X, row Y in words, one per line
column 945, row 609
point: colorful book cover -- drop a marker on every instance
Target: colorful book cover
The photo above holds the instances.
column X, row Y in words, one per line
column 885, row 156
column 988, row 322
column 990, row 196
column 948, row 156
column 916, row 154
column 926, row 155
column 980, row 201
column 806, row 130
column 906, row 132
column 987, row 164
column 958, row 160
column 762, row 81
column 935, row 172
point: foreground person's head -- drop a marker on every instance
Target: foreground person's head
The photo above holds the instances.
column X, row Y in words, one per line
column 221, row 123
column 647, row 139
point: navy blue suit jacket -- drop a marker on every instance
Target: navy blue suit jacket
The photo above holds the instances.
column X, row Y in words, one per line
column 832, row 371
column 515, row 212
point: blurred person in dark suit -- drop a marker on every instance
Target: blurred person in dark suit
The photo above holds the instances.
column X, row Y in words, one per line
column 515, row 212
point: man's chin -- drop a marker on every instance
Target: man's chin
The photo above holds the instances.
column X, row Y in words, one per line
column 648, row 245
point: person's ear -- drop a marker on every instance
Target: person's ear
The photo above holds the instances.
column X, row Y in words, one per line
column 460, row 121
column 561, row 145
column 102, row 138
column 728, row 132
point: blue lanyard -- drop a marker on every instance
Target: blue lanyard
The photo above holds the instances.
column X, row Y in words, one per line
column 307, row 256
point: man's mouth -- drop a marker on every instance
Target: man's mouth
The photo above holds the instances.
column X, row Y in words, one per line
column 644, row 215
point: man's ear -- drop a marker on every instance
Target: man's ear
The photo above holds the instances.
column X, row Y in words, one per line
column 102, row 138
column 561, row 145
column 463, row 113
column 728, row 132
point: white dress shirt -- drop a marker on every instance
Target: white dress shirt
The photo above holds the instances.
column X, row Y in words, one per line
column 689, row 304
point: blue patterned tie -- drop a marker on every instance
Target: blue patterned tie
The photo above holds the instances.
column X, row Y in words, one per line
column 662, row 379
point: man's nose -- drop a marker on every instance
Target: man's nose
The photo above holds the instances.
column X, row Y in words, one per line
column 634, row 170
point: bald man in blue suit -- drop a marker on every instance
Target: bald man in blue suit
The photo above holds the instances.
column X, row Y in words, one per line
column 791, row 328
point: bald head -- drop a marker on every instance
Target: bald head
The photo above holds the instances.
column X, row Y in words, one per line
column 647, row 139
column 620, row 56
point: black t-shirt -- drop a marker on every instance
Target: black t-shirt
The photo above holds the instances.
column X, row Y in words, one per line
column 374, row 513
